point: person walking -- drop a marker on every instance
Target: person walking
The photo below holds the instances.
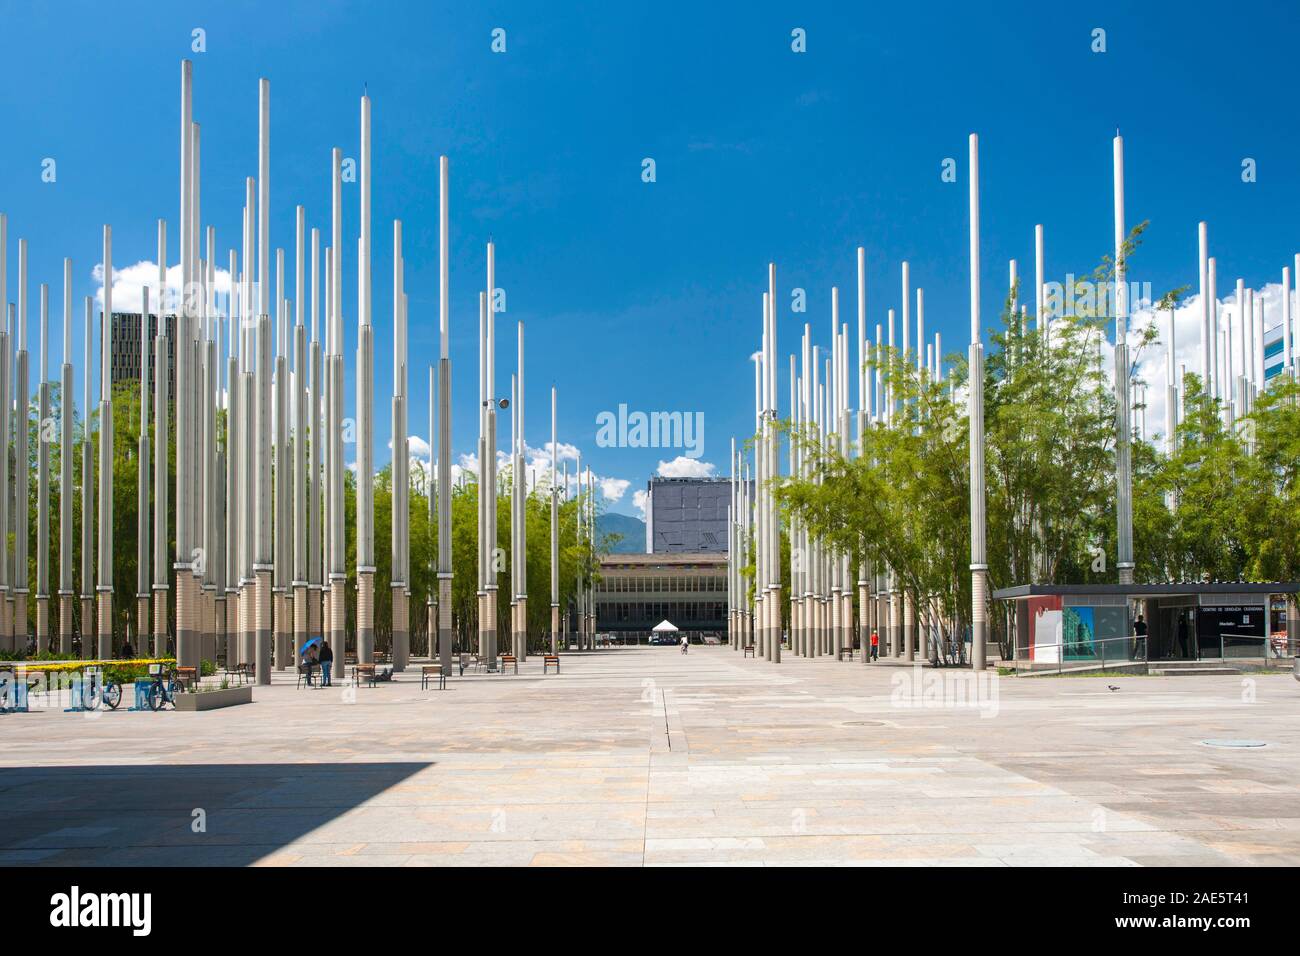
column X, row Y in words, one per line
column 326, row 663
column 686, row 643
column 875, row 645
column 1140, row 638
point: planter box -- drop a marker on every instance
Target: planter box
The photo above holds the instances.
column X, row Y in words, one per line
column 212, row 699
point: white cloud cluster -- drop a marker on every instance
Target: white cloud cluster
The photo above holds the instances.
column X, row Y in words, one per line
column 130, row 281
column 683, row 467
column 1153, row 364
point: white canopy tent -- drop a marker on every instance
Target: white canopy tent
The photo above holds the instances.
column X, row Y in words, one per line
column 665, row 627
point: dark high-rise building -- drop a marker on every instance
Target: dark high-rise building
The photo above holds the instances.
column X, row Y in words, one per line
column 124, row 358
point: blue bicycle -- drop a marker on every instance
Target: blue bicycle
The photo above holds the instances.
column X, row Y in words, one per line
column 161, row 692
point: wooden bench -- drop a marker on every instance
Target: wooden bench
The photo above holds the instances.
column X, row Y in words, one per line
column 548, row 660
column 509, row 659
column 844, row 651
column 242, row 671
column 187, row 678
column 748, row 651
column 362, row 672
column 428, row 672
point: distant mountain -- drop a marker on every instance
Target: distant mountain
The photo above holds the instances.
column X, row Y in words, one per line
column 631, row 531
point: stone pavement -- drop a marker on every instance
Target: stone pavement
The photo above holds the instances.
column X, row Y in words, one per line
column 643, row 756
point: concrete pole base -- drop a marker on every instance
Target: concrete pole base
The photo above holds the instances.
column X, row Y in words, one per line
column 281, row 630
column 142, row 625
column 521, row 631
column 220, row 636
column 445, row 635
column 337, row 620
column 401, row 630
column 262, row 625
column 247, row 631
column 232, row 627
column 365, row 617
column 187, row 652
column 105, row 602
column 299, row 617
column 42, row 624
column 89, row 642
column 65, row 625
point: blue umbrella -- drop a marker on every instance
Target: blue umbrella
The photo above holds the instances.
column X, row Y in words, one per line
column 306, row 647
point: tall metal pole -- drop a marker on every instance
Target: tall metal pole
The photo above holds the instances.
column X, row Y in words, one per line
column 187, row 651
column 261, row 360
column 490, row 464
column 315, row 440
column 88, row 644
column 22, row 438
column 1123, row 464
column 365, row 416
column 975, row 409
column 161, row 569
column 105, row 588
column 232, row 466
column 520, row 482
column 43, row 482
column 143, row 546
column 444, row 421
column 334, row 427
column 555, row 535
column 68, row 411
column 398, row 578
column 301, row 517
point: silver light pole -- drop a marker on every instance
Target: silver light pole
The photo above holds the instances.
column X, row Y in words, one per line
column 22, row 437
column 43, row 483
column 161, row 570
column 143, row 546
column 444, row 420
column 301, row 518
column 88, row 644
column 1123, row 465
column 555, row 535
column 365, row 416
column 105, row 589
column 975, row 410
column 68, row 411
column 398, row 581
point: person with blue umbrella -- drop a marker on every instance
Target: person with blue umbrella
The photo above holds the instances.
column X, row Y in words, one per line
column 309, row 654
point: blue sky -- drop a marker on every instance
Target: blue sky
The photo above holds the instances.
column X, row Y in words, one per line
column 649, row 294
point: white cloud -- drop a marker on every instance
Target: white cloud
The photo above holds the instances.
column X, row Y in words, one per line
column 418, row 447
column 1153, row 363
column 129, row 281
column 612, row 489
column 683, row 467
column 639, row 498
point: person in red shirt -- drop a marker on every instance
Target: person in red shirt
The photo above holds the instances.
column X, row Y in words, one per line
column 875, row 646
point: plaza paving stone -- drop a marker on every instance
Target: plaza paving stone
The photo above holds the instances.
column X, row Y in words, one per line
column 645, row 756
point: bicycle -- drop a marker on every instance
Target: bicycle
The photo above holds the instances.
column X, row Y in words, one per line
column 96, row 692
column 161, row 693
